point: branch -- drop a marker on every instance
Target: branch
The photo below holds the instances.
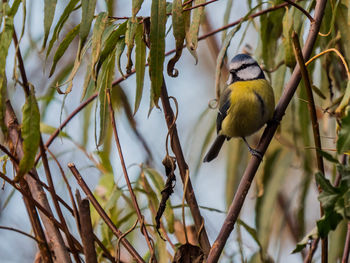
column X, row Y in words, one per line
column 21, row 232
column 86, row 232
column 176, row 147
column 265, row 140
column 126, row 176
column 103, row 214
column 315, row 126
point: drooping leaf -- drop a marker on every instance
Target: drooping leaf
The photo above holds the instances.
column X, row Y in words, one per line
column 87, row 15
column 49, row 14
column 67, row 11
column 328, row 222
column 129, row 41
column 179, row 34
column 104, row 82
column 287, row 22
column 63, row 47
column 157, row 49
column 140, row 65
column 343, row 142
column 120, row 49
column 48, row 129
column 226, row 17
column 97, row 33
column 3, row 93
column 192, row 38
column 30, row 131
column 328, row 156
column 110, row 43
column 136, row 6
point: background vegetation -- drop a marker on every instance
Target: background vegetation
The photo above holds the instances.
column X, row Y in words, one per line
column 107, row 109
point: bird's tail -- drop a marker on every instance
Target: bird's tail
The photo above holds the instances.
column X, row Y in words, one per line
column 215, row 148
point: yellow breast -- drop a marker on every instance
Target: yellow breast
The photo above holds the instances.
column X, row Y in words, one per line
column 252, row 105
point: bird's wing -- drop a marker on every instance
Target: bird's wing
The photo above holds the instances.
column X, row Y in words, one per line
column 224, row 105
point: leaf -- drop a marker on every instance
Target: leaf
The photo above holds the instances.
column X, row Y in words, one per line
column 192, row 34
column 226, row 17
column 110, row 43
column 129, row 41
column 63, row 47
column 14, row 8
column 30, row 133
column 48, row 129
column 140, row 65
column 343, row 142
column 312, row 235
column 119, row 51
column 104, row 82
column 157, row 49
column 87, row 15
column 188, row 253
column 287, row 23
column 328, row 222
column 179, row 34
column 344, row 102
column 328, row 156
column 97, row 33
column 67, row 11
column 49, row 14
column 3, row 94
column 136, row 6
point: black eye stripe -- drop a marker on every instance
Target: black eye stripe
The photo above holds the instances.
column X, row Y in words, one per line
column 244, row 66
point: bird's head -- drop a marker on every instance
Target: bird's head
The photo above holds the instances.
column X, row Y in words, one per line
column 244, row 67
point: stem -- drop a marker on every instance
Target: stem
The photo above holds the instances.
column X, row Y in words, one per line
column 265, row 140
column 176, row 147
column 103, row 214
column 126, row 176
column 21, row 232
column 315, row 126
column 301, row 9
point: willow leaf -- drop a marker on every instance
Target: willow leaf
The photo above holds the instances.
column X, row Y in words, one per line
column 30, row 131
column 63, row 47
column 157, row 48
column 87, row 15
column 179, row 34
column 49, row 14
column 129, row 41
column 136, row 6
column 140, row 59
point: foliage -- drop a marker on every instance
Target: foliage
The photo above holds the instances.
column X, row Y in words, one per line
column 90, row 48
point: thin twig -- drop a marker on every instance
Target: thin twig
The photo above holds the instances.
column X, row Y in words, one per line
column 301, row 9
column 103, row 214
column 265, row 140
column 21, row 232
column 177, row 149
column 196, row 6
column 126, row 176
column 315, row 126
column 312, row 251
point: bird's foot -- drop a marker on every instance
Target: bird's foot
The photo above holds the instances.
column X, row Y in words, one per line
column 256, row 153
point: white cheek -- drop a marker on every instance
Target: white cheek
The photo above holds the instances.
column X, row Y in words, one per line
column 249, row 73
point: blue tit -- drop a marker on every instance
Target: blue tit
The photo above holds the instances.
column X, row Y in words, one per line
column 245, row 105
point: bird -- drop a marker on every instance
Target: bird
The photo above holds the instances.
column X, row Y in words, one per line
column 246, row 104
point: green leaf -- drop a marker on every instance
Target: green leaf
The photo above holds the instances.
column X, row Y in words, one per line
column 344, row 102
column 192, row 34
column 136, row 6
column 129, row 41
column 97, row 33
column 226, row 17
column 48, row 129
column 104, row 82
column 140, row 65
column 110, row 43
column 312, row 235
column 328, row 222
column 14, row 8
column 67, row 11
column 3, row 95
column 157, row 49
column 343, row 142
column 179, row 34
column 251, row 231
column 287, row 23
column 49, row 14
column 30, row 133
column 328, row 156
column 120, row 47
column 63, row 47
column 87, row 15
